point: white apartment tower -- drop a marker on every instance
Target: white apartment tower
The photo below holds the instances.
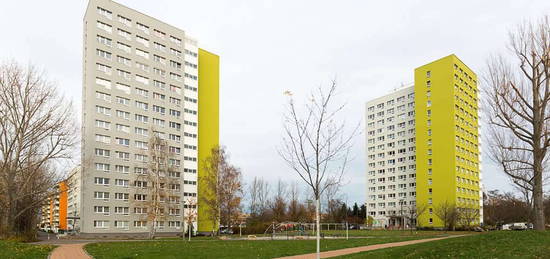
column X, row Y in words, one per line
column 140, row 78
column 391, row 169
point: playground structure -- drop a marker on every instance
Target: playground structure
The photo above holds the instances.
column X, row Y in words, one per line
column 303, row 230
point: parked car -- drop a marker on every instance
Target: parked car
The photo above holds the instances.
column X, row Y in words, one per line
column 506, row 227
column 519, row 226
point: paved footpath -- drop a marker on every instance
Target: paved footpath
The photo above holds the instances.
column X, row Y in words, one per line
column 69, row 251
column 354, row 250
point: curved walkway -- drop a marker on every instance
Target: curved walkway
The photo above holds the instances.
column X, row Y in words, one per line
column 70, row 251
column 354, row 250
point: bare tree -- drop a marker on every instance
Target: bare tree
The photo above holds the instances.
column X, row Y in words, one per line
column 190, row 215
column 294, row 213
column 259, row 196
column 279, row 205
column 447, row 212
column 223, row 189
column 315, row 145
column 413, row 211
column 162, row 193
column 37, row 131
column 468, row 217
column 518, row 110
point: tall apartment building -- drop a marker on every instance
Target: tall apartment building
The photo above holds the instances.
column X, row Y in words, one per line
column 426, row 154
column 54, row 210
column 142, row 77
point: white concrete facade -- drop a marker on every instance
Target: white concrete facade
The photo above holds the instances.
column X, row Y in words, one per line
column 391, row 159
column 140, row 78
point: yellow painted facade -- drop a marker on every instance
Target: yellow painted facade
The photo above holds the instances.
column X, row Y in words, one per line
column 447, row 141
column 209, row 114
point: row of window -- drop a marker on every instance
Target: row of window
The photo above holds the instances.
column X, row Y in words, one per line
column 140, row 78
column 140, row 224
column 127, row 22
column 392, row 102
column 172, row 173
column 400, row 195
column 119, row 196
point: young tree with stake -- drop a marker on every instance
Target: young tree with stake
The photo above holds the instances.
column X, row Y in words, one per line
column 315, row 145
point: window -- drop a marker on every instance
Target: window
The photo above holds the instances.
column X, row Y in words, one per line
column 124, row 47
column 103, row 54
column 123, row 128
column 175, row 52
column 140, row 197
column 175, row 76
column 125, row 61
column 122, row 182
column 159, row 84
column 101, row 224
column 159, row 72
column 159, row 46
column 103, row 110
column 175, row 101
column 189, row 64
column 143, row 93
column 175, row 64
column 124, row 20
column 104, row 41
column 158, row 122
column 122, row 100
column 101, row 195
column 175, row 40
column 101, row 209
column 141, row 131
column 106, row 27
column 159, row 96
column 125, row 34
column 175, row 89
column 142, row 79
column 159, row 34
column 103, row 124
column 122, row 196
column 104, row 12
column 140, row 224
column 141, row 118
column 141, row 158
column 121, row 223
column 142, row 66
column 102, row 167
column 123, row 155
column 191, row 53
column 102, row 138
column 159, row 109
column 101, row 181
column 106, row 69
column 142, row 105
column 142, row 40
column 123, row 141
column 159, row 59
column 122, row 169
column 102, row 152
column 142, row 53
column 143, row 28
column 141, row 144
column 123, row 114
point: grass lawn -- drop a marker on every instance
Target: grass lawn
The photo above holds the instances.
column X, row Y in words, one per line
column 16, row 250
column 226, row 249
column 498, row 244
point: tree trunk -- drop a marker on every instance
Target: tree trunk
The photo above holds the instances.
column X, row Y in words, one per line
column 538, row 197
column 317, row 225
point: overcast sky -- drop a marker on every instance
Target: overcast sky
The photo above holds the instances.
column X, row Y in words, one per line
column 267, row 47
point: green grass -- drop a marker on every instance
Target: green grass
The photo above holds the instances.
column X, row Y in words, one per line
column 17, row 250
column 226, row 249
column 501, row 244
